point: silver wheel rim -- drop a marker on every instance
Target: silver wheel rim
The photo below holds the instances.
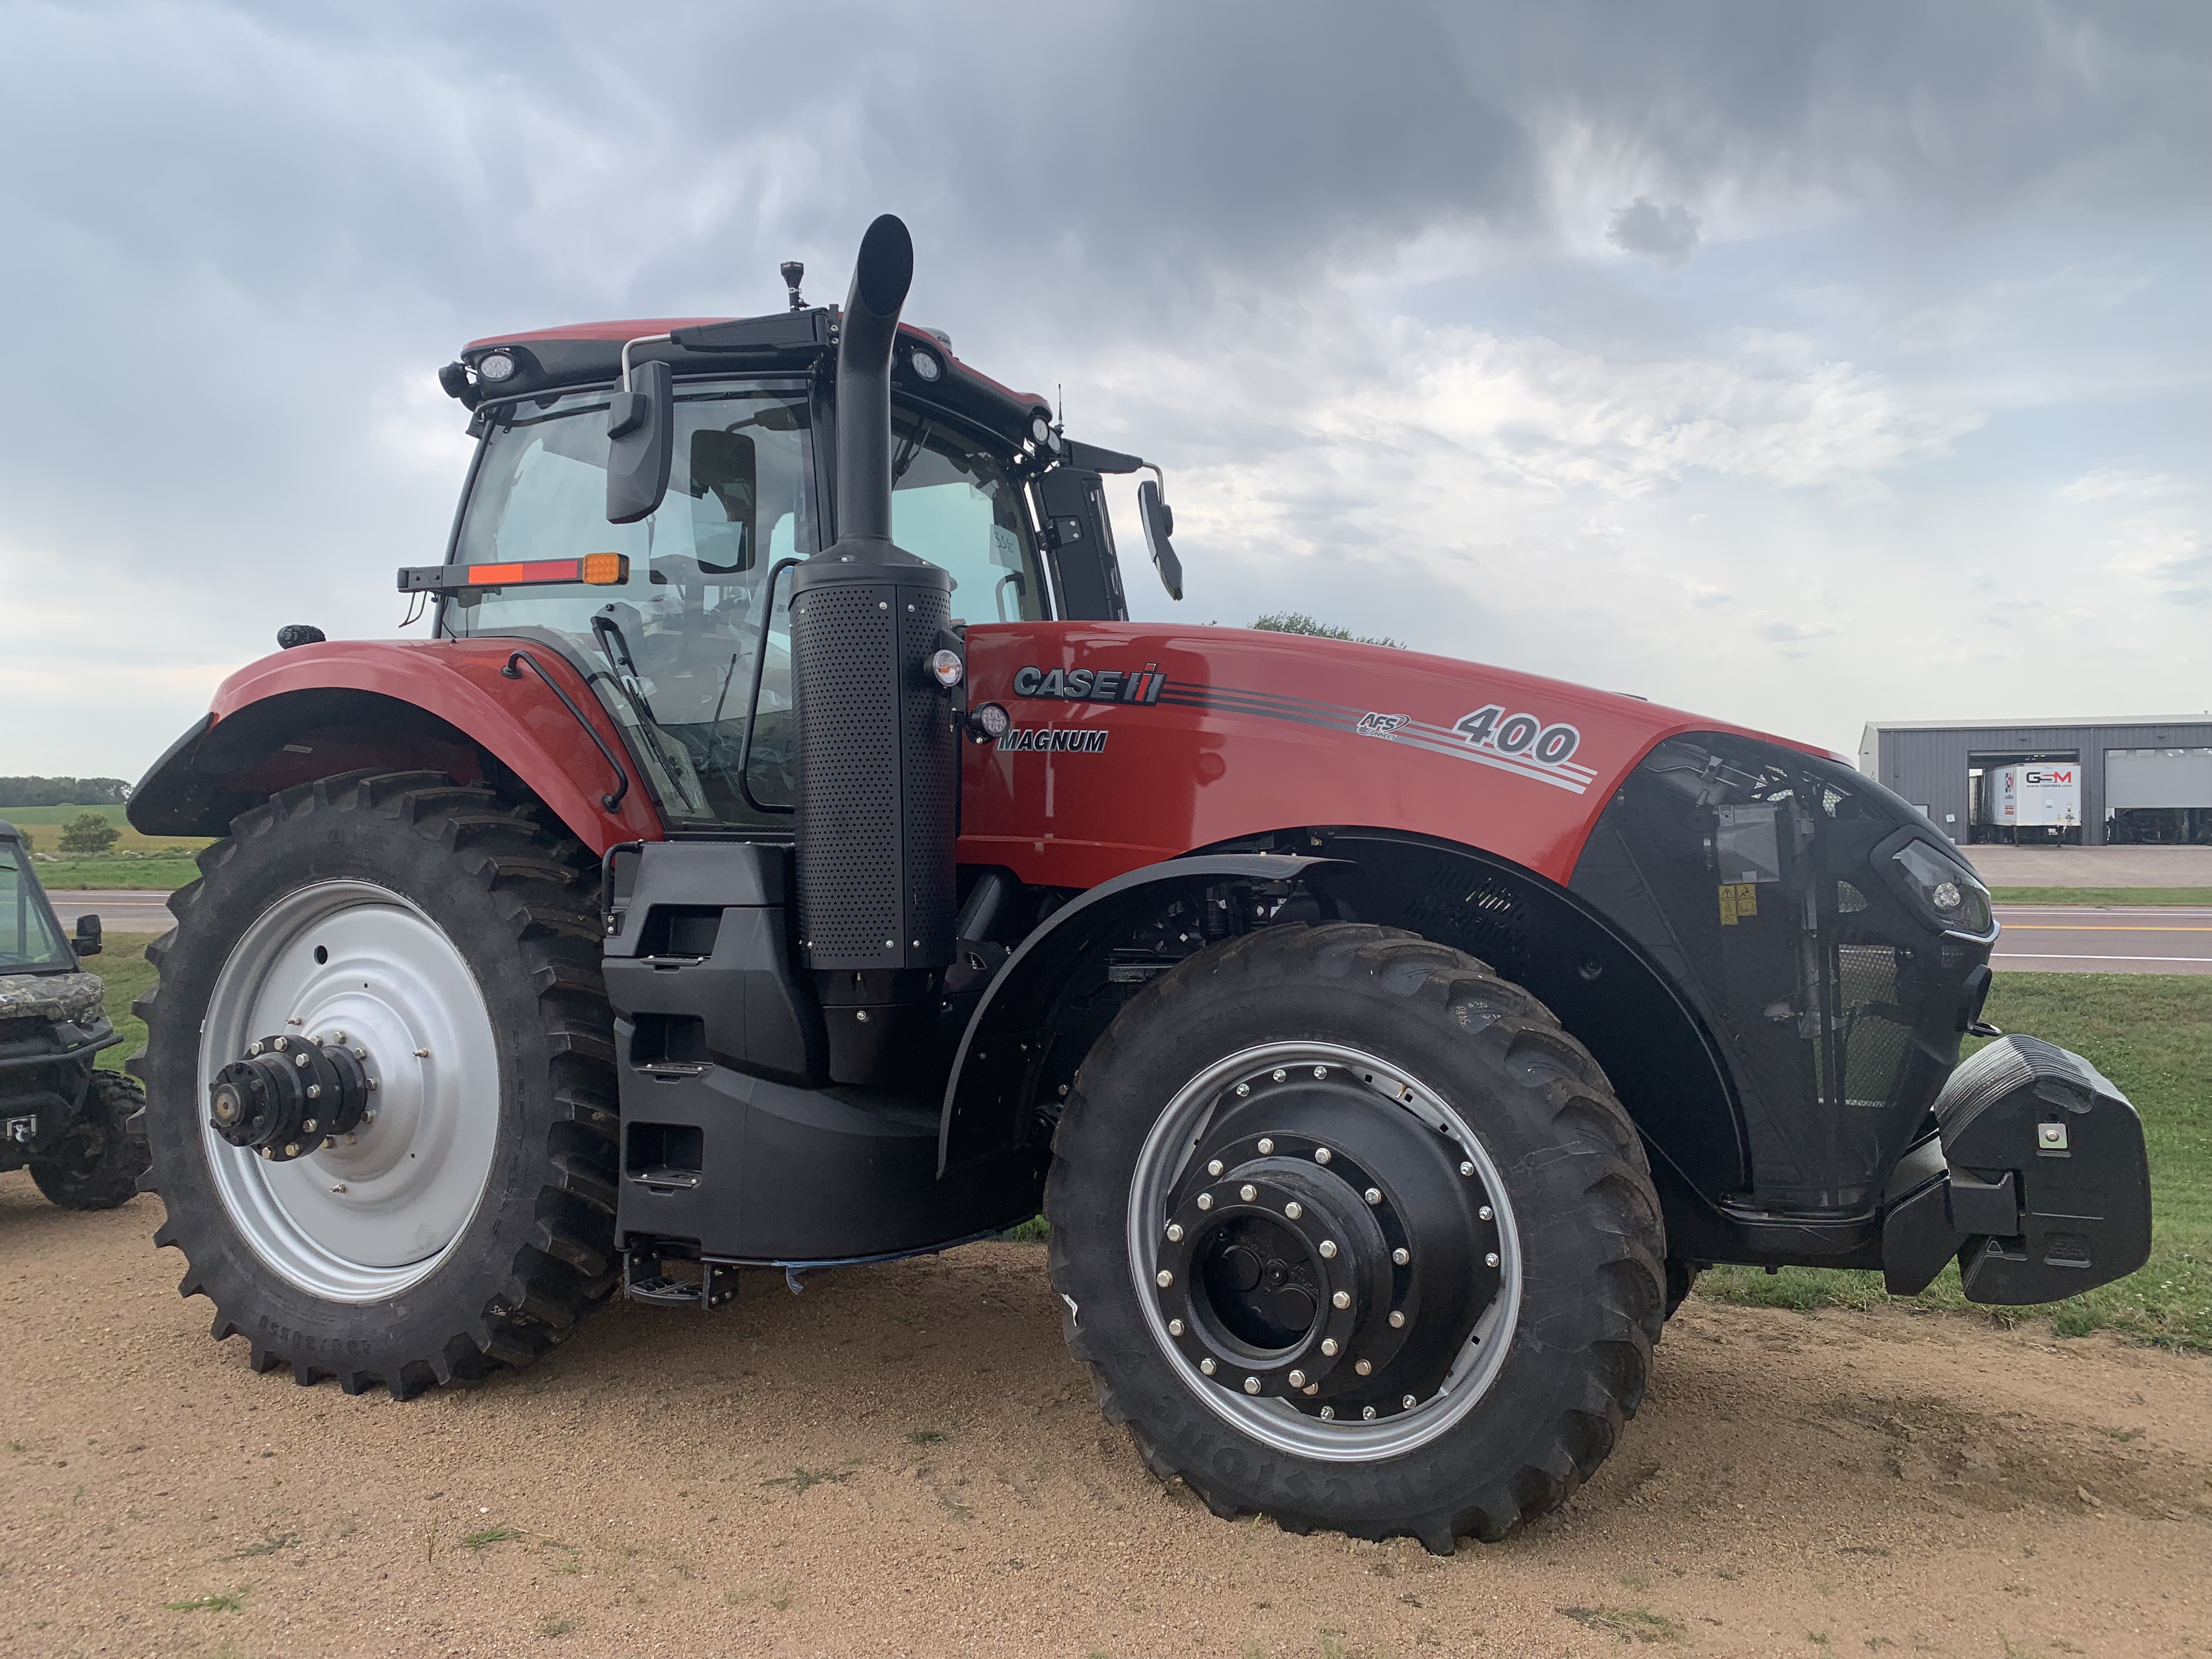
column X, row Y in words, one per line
column 359, row 1222
column 1168, row 1149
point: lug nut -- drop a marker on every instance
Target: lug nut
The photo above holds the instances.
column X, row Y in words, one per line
column 1491, row 1260
column 1207, row 1366
column 1408, row 1402
column 1401, row 1255
column 291, row 1149
column 309, row 1126
column 422, row 1054
column 1483, row 1213
column 1397, row 1319
column 1244, row 1088
column 339, row 1188
column 339, row 1038
column 1298, row 1379
column 300, row 1060
column 1467, row 1168
column 1341, row 1299
column 1214, row 1168
column 266, row 1152
column 369, row 1117
column 1328, row 1249
column 1163, row 1279
column 1175, row 1232
column 1329, row 1413
column 1368, row 1411
column 1206, row 1201
column 1321, row 1155
column 1265, row 1146
column 1294, row 1209
column 1251, row 1385
column 329, row 1142
column 1310, row 1388
column 254, row 1048
column 1364, row 1367
column 1281, row 1074
column 1373, row 1194
column 1175, row 1328
column 1248, row 1192
column 282, row 1044
column 1328, row 1346
column 360, row 1053
column 314, row 1092
column 1321, row 1071
column 371, row 1085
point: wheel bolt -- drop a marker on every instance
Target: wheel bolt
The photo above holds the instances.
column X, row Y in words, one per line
column 1206, row 1201
column 1251, row 1385
column 1397, row 1319
column 1467, row 1168
column 1310, row 1388
column 1294, row 1209
column 369, row 1117
column 1214, row 1167
column 266, row 1152
column 1265, row 1146
column 1408, row 1402
column 309, row 1126
column 300, row 1060
column 371, row 1085
column 1364, row 1367
column 1281, row 1074
column 1373, row 1194
column 1175, row 1328
column 291, row 1149
column 339, row 1037
column 314, row 1092
column 1207, row 1366
column 422, row 1054
column 1483, row 1213
column 1175, row 1232
column 1401, row 1255
column 1328, row 1249
column 282, row 1044
column 1298, row 1379
column 1248, row 1192
column 1163, row 1279
column 1244, row 1088
column 1321, row 1071
column 1321, row 1155
column 1491, row 1260
column 1328, row 1346
column 253, row 1048
column 1341, row 1299
column 1368, row 1411
column 1329, row 1413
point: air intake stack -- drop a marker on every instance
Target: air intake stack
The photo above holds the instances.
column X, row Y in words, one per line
column 878, row 775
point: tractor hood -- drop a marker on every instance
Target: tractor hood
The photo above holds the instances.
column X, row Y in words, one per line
column 1129, row 741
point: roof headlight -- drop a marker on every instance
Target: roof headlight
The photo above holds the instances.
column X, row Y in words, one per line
column 496, row 367
column 926, row 367
column 1041, row 428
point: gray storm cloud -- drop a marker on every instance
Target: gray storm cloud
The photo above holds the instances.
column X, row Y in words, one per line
column 1667, row 236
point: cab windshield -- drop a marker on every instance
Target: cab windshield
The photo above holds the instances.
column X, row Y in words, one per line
column 29, row 935
column 671, row 650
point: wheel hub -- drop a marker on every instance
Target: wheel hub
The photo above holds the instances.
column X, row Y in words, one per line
column 1322, row 1252
column 287, row 1096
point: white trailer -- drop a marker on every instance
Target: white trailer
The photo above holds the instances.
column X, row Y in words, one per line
column 2044, row 796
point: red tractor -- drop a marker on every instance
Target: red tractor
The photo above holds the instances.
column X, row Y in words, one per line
column 785, row 854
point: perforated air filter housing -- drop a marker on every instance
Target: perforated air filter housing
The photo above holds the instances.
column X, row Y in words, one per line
column 878, row 763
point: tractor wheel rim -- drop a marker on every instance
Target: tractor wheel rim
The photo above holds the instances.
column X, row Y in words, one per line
column 359, row 1222
column 1161, row 1184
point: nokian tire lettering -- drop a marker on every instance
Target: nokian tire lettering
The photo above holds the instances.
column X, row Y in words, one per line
column 538, row 1252
column 1592, row 1241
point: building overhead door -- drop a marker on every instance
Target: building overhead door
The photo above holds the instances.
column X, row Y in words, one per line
column 2136, row 778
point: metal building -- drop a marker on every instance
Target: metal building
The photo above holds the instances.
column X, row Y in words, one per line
column 2140, row 779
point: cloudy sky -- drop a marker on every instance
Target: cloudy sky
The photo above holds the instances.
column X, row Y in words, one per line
column 1798, row 364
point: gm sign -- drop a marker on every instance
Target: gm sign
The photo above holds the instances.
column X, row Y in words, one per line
column 2044, row 775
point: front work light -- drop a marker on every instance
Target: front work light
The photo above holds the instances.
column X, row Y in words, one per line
column 946, row 668
column 1948, row 891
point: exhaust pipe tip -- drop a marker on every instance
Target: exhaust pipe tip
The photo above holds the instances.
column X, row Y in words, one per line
column 883, row 273
column 881, row 277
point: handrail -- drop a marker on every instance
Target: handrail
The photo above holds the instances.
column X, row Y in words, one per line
column 752, row 702
column 612, row 799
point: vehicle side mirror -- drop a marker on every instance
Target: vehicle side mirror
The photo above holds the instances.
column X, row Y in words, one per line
column 1159, row 524
column 641, row 443
column 88, row 936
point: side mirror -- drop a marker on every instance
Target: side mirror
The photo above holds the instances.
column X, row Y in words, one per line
column 88, row 936
column 1159, row 524
column 641, row 443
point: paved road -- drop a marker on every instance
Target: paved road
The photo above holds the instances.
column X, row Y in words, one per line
column 118, row 912
column 2037, row 939
column 2056, row 939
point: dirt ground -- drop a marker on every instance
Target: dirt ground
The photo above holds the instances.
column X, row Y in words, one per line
column 903, row 1460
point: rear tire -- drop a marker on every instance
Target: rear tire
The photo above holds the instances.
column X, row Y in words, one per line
column 460, row 939
column 96, row 1165
column 1496, row 1085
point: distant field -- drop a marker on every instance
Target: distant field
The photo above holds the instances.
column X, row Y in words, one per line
column 124, row 970
column 2117, row 896
column 135, row 861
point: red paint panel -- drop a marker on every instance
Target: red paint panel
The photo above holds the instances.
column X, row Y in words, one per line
column 519, row 721
column 1256, row 731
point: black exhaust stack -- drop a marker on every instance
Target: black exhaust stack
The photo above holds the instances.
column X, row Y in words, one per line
column 880, row 776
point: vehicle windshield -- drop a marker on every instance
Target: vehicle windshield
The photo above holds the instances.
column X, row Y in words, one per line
column 670, row 651
column 29, row 937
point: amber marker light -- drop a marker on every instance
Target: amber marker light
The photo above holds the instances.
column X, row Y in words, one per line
column 594, row 569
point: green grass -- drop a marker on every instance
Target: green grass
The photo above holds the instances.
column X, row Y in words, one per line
column 124, row 973
column 2152, row 1034
column 135, row 860
column 2091, row 896
column 155, row 871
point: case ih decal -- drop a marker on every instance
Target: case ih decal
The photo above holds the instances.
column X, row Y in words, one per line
column 1137, row 685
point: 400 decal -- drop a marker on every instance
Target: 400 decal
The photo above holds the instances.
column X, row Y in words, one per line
column 1491, row 727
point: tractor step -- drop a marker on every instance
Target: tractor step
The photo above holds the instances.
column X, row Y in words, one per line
column 647, row 1279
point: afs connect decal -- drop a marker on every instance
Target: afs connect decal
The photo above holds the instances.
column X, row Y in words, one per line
column 1508, row 740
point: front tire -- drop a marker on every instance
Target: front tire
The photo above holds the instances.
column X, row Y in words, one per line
column 1350, row 1232
column 96, row 1165
column 449, row 942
